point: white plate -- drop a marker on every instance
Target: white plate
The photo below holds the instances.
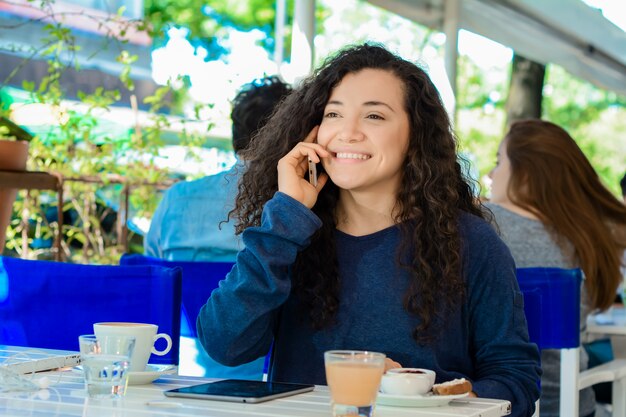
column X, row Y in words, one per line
column 151, row 373
column 428, row 400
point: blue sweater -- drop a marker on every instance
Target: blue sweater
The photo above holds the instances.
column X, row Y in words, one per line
column 485, row 340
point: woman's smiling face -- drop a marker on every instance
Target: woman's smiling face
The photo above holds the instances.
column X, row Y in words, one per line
column 366, row 129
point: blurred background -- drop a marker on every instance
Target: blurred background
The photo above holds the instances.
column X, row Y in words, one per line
column 122, row 98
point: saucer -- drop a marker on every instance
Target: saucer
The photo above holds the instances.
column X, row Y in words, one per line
column 427, row 400
column 151, row 373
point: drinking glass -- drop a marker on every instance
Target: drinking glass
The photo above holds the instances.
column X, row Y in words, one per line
column 353, row 377
column 105, row 361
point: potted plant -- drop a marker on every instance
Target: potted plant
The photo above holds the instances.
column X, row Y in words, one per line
column 13, row 156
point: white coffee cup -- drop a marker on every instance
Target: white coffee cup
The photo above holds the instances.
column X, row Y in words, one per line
column 145, row 336
column 407, row 381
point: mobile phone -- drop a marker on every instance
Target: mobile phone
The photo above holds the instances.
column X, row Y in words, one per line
column 240, row 391
column 312, row 173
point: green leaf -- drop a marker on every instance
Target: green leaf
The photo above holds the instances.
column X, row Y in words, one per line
column 28, row 85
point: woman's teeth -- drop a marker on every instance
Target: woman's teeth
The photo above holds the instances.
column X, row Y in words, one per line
column 345, row 155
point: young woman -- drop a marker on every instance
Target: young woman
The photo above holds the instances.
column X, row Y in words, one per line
column 553, row 211
column 387, row 253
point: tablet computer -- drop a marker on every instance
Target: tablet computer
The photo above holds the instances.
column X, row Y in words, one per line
column 238, row 390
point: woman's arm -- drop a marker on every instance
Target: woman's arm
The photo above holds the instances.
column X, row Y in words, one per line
column 506, row 363
column 236, row 324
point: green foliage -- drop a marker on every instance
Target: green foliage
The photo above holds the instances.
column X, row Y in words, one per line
column 92, row 164
column 127, row 61
column 74, row 147
column 571, row 102
column 603, row 140
column 595, row 118
column 475, row 89
column 9, row 130
column 208, row 21
column 480, row 134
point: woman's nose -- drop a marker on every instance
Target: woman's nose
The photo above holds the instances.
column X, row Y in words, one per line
column 351, row 132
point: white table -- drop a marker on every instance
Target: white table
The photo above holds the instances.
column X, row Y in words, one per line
column 67, row 397
column 610, row 323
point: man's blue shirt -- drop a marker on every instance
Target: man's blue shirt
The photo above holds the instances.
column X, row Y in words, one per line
column 188, row 226
column 188, row 223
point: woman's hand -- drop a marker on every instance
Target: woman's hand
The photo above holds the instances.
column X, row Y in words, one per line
column 391, row 364
column 293, row 166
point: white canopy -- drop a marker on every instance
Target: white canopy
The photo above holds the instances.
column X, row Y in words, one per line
column 565, row 32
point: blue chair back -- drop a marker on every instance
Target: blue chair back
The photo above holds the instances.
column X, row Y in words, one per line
column 552, row 306
column 49, row 304
column 199, row 280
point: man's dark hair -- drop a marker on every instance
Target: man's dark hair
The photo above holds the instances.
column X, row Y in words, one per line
column 253, row 106
column 622, row 184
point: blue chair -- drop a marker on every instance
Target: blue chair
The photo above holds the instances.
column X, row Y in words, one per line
column 552, row 308
column 552, row 296
column 49, row 304
column 199, row 280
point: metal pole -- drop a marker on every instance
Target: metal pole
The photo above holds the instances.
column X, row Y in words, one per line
column 279, row 33
column 58, row 256
column 451, row 29
column 302, row 48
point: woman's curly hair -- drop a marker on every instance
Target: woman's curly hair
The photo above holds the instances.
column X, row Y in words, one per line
column 433, row 191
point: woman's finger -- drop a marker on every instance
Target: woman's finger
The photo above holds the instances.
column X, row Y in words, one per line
column 312, row 136
column 391, row 364
column 292, row 169
column 302, row 152
column 321, row 181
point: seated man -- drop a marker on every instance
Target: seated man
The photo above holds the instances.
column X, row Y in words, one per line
column 190, row 223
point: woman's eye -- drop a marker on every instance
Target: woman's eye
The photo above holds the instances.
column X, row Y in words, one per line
column 331, row 114
column 375, row 117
